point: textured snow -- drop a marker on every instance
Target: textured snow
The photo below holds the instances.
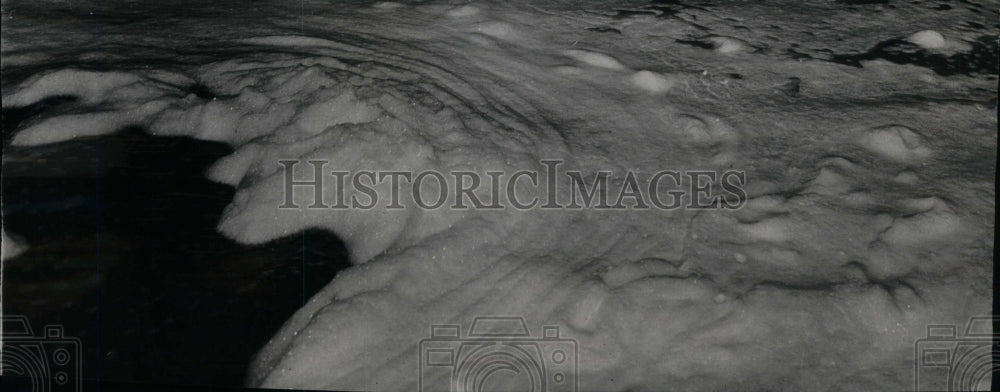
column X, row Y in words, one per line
column 870, row 211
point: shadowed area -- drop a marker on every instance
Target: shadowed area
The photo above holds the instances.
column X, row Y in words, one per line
column 123, row 253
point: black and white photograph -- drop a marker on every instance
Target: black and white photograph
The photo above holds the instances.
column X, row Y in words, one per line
column 519, row 195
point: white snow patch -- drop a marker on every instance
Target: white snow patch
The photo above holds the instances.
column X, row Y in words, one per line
column 10, row 247
column 463, row 11
column 500, row 30
column 594, row 59
column 727, row 45
column 651, row 81
column 344, row 109
column 896, row 142
column 928, row 39
column 92, row 87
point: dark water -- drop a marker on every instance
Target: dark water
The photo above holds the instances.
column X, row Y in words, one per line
column 124, row 254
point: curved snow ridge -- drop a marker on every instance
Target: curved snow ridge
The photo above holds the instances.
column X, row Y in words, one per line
column 848, row 246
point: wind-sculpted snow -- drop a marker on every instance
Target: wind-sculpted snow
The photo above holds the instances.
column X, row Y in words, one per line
column 870, row 189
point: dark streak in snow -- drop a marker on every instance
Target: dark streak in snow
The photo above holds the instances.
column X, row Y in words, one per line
column 982, row 59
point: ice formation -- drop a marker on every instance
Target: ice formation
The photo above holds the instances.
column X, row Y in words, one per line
column 870, row 210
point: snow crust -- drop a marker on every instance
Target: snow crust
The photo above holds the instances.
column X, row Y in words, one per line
column 870, row 189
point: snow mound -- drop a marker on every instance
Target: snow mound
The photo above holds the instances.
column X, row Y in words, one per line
column 651, row 81
column 928, row 39
column 595, row 59
column 896, row 142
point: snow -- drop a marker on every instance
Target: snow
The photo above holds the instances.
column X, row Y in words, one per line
column 728, row 45
column 11, row 247
column 595, row 59
column 928, row 39
column 863, row 178
column 896, row 142
column 651, row 81
column 463, row 11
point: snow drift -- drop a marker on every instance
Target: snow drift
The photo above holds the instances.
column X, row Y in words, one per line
column 870, row 188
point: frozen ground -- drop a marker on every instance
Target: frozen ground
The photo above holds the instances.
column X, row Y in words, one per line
column 867, row 132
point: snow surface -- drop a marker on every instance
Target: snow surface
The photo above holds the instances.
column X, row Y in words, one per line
column 870, row 211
